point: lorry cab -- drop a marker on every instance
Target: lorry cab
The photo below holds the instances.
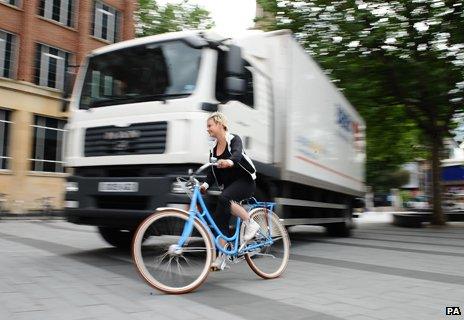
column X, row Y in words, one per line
column 172, row 79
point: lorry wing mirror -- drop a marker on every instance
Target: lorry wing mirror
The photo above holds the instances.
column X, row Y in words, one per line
column 234, row 72
column 64, row 105
column 67, row 89
column 235, row 65
column 68, row 83
column 235, row 86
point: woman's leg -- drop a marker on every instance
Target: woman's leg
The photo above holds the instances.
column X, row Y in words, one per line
column 238, row 190
column 238, row 211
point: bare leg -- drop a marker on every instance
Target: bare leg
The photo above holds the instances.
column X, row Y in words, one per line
column 222, row 242
column 238, row 211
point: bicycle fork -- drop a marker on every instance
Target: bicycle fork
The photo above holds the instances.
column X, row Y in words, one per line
column 186, row 232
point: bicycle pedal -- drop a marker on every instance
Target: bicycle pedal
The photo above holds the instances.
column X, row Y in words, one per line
column 238, row 260
column 223, row 267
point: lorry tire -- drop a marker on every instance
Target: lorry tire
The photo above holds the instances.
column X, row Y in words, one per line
column 340, row 229
column 121, row 239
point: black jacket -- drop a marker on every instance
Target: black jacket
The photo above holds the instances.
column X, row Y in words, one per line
column 242, row 163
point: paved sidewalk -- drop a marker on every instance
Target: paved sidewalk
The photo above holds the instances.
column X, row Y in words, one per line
column 55, row 270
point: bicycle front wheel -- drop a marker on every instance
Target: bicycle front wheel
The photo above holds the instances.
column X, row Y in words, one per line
column 269, row 261
column 164, row 265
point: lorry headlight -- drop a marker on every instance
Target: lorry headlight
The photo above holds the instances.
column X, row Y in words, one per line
column 178, row 187
column 72, row 186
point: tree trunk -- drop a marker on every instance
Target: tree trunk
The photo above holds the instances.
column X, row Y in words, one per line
column 438, row 218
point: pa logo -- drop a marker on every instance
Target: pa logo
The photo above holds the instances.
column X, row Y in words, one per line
column 453, row 311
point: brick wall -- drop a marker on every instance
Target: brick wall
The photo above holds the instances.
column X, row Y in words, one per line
column 22, row 185
column 32, row 28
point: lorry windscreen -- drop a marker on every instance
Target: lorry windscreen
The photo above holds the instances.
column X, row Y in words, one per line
column 156, row 71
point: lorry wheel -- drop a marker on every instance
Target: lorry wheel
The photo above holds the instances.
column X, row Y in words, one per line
column 121, row 239
column 340, row 229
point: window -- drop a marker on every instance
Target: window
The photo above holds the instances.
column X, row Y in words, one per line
column 7, row 54
column 155, row 71
column 48, row 139
column 50, row 66
column 12, row 2
column 4, row 135
column 58, row 10
column 105, row 23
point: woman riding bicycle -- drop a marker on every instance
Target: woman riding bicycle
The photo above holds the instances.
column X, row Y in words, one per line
column 236, row 173
column 173, row 249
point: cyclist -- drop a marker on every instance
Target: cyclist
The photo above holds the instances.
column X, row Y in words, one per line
column 235, row 174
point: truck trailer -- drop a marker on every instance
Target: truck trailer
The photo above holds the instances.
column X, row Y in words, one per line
column 138, row 115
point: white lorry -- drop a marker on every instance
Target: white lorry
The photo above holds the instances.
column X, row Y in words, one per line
column 138, row 119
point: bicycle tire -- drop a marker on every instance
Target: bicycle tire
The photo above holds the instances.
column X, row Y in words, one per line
column 279, row 249
column 143, row 242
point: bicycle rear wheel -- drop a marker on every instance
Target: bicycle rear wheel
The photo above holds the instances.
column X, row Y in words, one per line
column 161, row 263
column 269, row 261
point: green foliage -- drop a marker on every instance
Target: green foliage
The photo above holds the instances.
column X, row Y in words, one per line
column 155, row 19
column 400, row 63
column 388, row 179
column 405, row 195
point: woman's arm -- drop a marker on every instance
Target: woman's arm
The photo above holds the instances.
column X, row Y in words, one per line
column 236, row 149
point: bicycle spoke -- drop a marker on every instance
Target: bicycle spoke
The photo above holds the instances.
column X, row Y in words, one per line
column 269, row 260
column 194, row 249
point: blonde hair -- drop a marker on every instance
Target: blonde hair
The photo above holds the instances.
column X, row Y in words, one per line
column 219, row 118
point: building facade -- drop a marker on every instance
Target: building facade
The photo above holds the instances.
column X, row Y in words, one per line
column 40, row 41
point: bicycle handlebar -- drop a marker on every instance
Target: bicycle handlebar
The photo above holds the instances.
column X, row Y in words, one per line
column 188, row 185
column 205, row 166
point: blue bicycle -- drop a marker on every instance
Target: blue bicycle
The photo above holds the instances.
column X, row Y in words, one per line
column 173, row 249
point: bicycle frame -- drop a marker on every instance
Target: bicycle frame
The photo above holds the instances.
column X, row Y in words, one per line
column 207, row 220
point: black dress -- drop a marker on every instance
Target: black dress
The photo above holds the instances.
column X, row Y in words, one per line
column 238, row 184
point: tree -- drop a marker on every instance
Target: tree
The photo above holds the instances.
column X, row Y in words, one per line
column 392, row 179
column 398, row 59
column 155, row 19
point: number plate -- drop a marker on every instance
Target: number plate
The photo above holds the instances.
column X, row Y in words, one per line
column 118, row 186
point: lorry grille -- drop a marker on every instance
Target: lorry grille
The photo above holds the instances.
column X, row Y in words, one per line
column 138, row 138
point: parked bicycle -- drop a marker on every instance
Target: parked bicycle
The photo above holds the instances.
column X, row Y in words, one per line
column 46, row 204
column 173, row 249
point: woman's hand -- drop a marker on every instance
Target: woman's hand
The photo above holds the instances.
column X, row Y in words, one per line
column 224, row 163
column 203, row 190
